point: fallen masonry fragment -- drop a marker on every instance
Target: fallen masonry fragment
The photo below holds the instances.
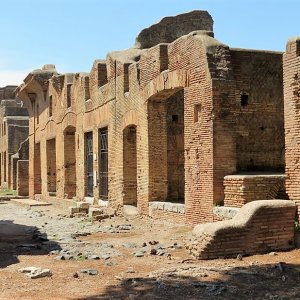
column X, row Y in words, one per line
column 36, row 272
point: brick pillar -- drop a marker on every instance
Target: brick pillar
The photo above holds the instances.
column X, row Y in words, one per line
column 291, row 82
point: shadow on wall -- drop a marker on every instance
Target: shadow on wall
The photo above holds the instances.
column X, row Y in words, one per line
column 17, row 239
column 268, row 281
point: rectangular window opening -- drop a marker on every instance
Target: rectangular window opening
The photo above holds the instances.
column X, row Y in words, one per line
column 197, row 113
column 50, row 106
column 69, row 95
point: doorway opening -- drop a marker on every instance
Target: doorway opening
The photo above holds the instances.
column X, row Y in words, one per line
column 129, row 166
column 70, row 163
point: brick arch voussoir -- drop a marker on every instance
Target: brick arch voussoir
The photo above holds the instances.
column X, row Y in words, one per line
column 164, row 83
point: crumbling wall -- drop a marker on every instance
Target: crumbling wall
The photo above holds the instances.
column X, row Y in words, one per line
column 259, row 110
column 7, row 92
column 169, row 29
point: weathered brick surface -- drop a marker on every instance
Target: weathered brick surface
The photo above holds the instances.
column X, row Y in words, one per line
column 7, row 92
column 222, row 213
column 22, row 177
column 241, row 189
column 259, row 122
column 172, row 212
column 181, row 96
column 291, row 73
column 258, row 227
column 13, row 132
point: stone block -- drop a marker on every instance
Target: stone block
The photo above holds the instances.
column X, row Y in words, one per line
column 83, row 205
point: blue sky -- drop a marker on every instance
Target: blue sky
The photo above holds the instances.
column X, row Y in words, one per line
column 73, row 33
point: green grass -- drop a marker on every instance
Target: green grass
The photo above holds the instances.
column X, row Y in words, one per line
column 8, row 192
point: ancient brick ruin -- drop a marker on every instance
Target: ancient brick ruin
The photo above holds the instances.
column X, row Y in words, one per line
column 13, row 142
column 177, row 125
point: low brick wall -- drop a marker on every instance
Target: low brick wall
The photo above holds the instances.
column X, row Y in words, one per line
column 173, row 212
column 242, row 189
column 258, row 227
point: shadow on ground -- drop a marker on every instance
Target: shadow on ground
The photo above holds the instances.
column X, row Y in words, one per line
column 273, row 281
column 18, row 239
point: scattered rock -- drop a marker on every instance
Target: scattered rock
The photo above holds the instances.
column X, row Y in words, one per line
column 129, row 245
column 105, row 257
column 64, row 257
column 239, row 257
column 273, row 253
column 177, row 246
column 95, row 257
column 153, row 251
column 281, row 266
column 75, row 275
column 130, row 270
column 144, row 244
column 152, row 243
column 160, row 252
column 36, row 272
column 139, row 254
column 89, row 271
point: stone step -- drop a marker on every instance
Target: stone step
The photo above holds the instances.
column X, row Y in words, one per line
column 29, row 202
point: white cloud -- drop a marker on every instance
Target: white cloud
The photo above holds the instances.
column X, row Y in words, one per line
column 12, row 77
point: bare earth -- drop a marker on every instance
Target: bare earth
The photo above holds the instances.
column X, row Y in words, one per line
column 43, row 237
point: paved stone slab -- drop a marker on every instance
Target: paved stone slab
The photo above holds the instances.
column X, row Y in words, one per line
column 29, row 202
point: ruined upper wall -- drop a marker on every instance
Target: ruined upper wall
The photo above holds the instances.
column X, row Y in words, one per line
column 7, row 92
column 259, row 110
column 171, row 28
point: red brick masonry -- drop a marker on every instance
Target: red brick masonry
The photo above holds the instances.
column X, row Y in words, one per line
column 259, row 227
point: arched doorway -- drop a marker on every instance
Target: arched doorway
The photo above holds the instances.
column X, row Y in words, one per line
column 166, row 146
column 130, row 166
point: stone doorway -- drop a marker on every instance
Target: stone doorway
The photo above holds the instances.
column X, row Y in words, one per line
column 129, row 166
column 103, row 163
column 166, row 146
column 69, row 162
column 89, row 178
column 37, row 169
column 51, row 166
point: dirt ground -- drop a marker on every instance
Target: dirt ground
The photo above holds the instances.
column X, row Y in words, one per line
column 119, row 249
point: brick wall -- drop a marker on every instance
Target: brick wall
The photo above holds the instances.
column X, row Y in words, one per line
column 13, row 131
column 291, row 74
column 259, row 116
column 7, row 92
column 172, row 212
column 259, row 227
column 241, row 189
column 22, row 177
